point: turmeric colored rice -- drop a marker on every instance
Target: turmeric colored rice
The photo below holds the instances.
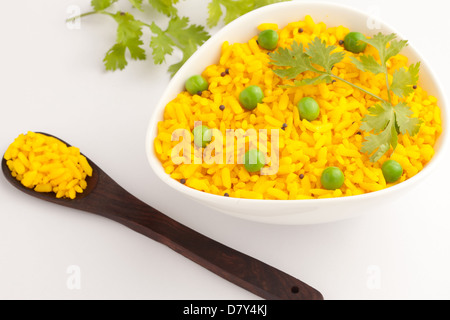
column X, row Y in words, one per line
column 306, row 149
column 47, row 165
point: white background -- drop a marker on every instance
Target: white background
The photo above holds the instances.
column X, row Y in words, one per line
column 52, row 80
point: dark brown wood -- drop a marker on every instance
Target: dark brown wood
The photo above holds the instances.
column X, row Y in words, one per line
column 106, row 198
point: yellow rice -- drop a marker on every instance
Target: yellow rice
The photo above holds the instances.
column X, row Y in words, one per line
column 306, row 148
column 46, row 164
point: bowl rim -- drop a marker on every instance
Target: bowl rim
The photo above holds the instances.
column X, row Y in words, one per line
column 443, row 140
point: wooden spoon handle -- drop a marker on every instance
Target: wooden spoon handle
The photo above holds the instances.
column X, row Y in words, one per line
column 103, row 196
column 112, row 201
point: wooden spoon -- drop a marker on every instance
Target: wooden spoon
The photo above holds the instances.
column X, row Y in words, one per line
column 106, row 198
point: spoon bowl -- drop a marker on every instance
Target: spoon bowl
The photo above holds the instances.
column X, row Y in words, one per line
column 104, row 197
column 92, row 182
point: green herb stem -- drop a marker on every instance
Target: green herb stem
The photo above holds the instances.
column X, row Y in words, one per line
column 388, row 86
column 357, row 87
column 83, row 15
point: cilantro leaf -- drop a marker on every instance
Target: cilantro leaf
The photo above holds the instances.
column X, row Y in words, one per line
column 128, row 27
column 378, row 145
column 215, row 13
column 178, row 34
column 100, row 5
column 378, row 118
column 387, row 48
column 188, row 38
column 381, row 119
column 188, row 50
column 129, row 33
column 233, row 9
column 166, row 7
column 323, row 55
column 404, row 80
column 405, row 123
column 380, row 42
column 294, row 59
column 368, row 63
column 263, row 3
column 115, row 58
column 137, row 4
column 384, row 120
column 134, row 47
column 395, row 48
column 162, row 44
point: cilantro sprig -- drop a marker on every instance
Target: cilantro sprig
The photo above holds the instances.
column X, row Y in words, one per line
column 233, row 9
column 179, row 36
column 384, row 121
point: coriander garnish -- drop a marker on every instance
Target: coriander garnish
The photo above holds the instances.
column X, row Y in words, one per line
column 384, row 121
column 180, row 35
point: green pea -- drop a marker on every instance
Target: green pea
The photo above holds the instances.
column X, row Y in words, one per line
column 332, row 178
column 353, row 43
column 196, row 84
column 392, row 171
column 268, row 39
column 309, row 109
column 202, row 136
column 250, row 97
column 254, row 160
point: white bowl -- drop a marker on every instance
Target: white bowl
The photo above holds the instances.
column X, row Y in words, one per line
column 291, row 212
